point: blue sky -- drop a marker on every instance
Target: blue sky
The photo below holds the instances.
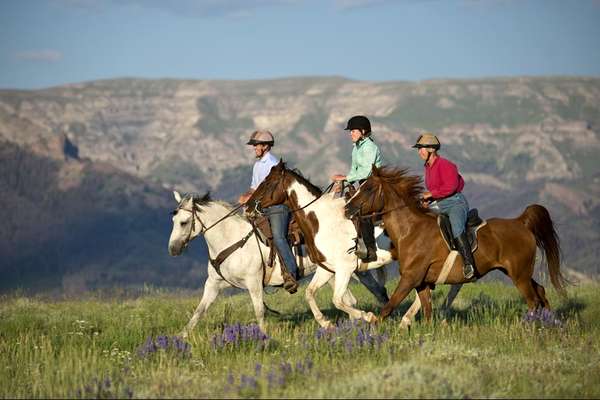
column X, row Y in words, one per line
column 53, row 42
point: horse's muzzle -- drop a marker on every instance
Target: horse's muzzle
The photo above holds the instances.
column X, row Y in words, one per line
column 175, row 249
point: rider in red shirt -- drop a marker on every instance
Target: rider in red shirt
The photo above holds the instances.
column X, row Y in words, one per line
column 444, row 194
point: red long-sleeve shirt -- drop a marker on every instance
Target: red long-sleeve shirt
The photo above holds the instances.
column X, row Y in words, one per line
column 442, row 178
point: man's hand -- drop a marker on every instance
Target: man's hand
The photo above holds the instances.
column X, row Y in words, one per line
column 338, row 178
column 427, row 197
column 245, row 197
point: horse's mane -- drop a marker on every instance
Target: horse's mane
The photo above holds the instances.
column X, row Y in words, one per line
column 199, row 199
column 313, row 189
column 408, row 187
column 205, row 199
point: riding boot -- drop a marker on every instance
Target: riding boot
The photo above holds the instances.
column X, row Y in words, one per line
column 464, row 248
column 368, row 237
column 289, row 283
column 290, row 278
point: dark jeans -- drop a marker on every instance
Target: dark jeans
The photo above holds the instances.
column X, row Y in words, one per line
column 279, row 218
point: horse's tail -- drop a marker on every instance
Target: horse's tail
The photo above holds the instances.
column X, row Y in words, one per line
column 537, row 219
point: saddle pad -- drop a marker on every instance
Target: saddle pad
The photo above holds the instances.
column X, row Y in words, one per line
column 446, row 232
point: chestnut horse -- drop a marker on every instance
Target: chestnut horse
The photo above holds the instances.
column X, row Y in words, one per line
column 508, row 245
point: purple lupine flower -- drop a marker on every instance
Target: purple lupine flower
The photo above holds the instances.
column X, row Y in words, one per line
column 285, row 367
column 162, row 342
column 238, row 334
column 348, row 346
column 545, row 316
column 308, row 363
column 257, row 369
column 271, row 379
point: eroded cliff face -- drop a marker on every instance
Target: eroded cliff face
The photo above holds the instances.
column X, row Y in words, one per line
column 533, row 139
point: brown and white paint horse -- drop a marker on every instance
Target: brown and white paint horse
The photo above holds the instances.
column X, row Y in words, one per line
column 329, row 235
column 505, row 244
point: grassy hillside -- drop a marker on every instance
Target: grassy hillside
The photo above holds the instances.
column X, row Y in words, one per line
column 89, row 348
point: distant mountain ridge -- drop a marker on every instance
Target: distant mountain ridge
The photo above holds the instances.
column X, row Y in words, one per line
column 516, row 140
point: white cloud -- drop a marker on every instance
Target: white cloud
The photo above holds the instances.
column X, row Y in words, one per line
column 46, row 55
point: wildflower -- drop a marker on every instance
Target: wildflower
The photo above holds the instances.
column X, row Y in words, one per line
column 237, row 334
column 545, row 316
column 175, row 344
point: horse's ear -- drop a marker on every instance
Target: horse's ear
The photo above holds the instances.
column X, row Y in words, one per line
column 206, row 198
column 177, row 196
column 280, row 164
column 374, row 170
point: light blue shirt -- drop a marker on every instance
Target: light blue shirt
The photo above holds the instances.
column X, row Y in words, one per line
column 262, row 168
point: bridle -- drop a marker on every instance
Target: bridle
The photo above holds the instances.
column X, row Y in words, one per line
column 258, row 209
column 203, row 228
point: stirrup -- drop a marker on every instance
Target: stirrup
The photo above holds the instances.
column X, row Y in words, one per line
column 360, row 249
column 370, row 256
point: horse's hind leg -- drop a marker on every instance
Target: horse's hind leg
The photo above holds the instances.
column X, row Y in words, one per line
column 541, row 292
column 528, row 291
column 320, row 278
column 210, row 293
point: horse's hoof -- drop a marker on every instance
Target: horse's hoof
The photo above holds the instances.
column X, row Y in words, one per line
column 405, row 324
column 327, row 325
column 370, row 318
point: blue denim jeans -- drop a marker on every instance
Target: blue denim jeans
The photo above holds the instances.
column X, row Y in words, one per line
column 279, row 218
column 457, row 208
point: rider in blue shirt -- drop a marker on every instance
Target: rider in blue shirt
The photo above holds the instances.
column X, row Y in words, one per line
column 279, row 215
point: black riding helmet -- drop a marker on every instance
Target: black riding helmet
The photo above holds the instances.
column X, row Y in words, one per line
column 359, row 122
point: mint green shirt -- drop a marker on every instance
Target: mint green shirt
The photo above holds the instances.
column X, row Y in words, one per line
column 364, row 154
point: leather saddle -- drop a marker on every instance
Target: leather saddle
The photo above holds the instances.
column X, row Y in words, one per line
column 474, row 223
column 294, row 236
column 263, row 226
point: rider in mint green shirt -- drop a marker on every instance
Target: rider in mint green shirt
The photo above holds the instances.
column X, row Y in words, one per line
column 364, row 154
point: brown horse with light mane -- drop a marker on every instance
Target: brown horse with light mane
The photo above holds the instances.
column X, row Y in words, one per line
column 508, row 245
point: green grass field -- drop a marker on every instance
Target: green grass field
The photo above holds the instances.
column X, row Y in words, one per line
column 88, row 348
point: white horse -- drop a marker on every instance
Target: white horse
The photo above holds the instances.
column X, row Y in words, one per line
column 322, row 220
column 243, row 268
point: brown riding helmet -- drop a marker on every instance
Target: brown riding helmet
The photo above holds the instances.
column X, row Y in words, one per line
column 261, row 137
column 428, row 141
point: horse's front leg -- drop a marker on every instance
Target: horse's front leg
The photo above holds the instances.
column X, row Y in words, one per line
column 348, row 296
column 342, row 278
column 255, row 287
column 320, row 277
column 212, row 287
column 424, row 293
